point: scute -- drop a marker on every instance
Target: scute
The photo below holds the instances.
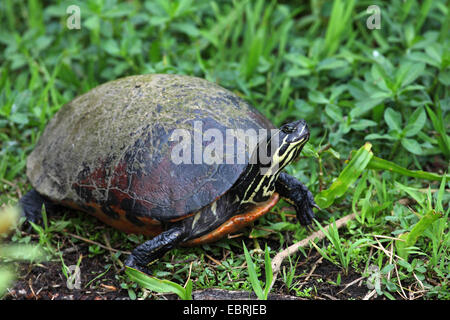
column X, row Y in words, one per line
column 110, row 146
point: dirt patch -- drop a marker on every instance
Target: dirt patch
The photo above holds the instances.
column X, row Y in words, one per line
column 315, row 278
column 47, row 280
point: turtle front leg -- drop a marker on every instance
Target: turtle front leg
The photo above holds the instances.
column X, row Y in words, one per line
column 155, row 248
column 298, row 195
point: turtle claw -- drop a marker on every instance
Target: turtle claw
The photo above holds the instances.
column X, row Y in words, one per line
column 299, row 195
column 304, row 207
column 305, row 214
column 132, row 263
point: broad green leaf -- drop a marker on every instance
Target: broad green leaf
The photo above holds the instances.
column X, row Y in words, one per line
column 377, row 136
column 298, row 72
column 331, row 63
column 422, row 57
column 415, row 122
column 300, row 60
column 434, row 51
column 362, row 124
column 317, row 97
column 111, row 47
column 444, row 77
column 379, row 77
column 408, row 73
column 364, row 106
column 412, row 146
column 334, row 112
column 92, row 23
column 393, row 119
column 438, row 124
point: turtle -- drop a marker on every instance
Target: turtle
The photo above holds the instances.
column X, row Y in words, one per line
column 114, row 152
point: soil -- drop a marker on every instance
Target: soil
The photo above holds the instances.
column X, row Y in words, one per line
column 315, row 276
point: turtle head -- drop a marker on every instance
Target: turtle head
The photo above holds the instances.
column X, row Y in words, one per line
column 284, row 146
column 296, row 133
column 291, row 139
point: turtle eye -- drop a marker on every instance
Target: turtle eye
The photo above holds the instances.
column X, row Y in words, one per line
column 288, row 128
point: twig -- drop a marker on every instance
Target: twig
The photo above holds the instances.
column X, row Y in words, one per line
column 96, row 243
column 111, row 251
column 370, row 294
column 350, row 284
column 278, row 259
column 311, row 272
column 214, row 260
column 19, row 193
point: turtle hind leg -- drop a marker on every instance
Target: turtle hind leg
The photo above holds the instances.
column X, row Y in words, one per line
column 155, row 248
column 31, row 206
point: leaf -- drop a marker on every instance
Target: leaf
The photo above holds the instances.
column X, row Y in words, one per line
column 438, row 124
column 317, row 97
column 409, row 239
column 379, row 77
column 393, row 119
column 334, row 112
column 346, row 178
column 331, row 63
column 444, row 77
column 111, row 47
column 414, row 193
column 364, row 106
column 253, row 277
column 434, row 52
column 363, row 124
column 376, row 136
column 412, row 146
column 381, row 164
column 19, row 118
column 300, row 60
column 92, row 23
column 415, row 122
column 7, row 277
column 422, row 57
column 409, row 72
column 158, row 285
column 297, row 72
column 268, row 271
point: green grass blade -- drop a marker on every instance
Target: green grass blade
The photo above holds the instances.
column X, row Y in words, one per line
column 268, row 270
column 346, row 178
column 381, row 164
column 157, row 285
column 408, row 239
column 253, row 276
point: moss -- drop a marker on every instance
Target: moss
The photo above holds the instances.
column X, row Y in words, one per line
column 103, row 124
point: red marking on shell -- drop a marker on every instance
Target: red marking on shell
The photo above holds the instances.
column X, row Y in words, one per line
column 151, row 227
column 235, row 223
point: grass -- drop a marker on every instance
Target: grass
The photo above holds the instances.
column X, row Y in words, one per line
column 317, row 60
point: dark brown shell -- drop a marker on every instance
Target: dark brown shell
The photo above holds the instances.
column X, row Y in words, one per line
column 110, row 146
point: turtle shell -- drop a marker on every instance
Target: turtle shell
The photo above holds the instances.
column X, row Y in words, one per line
column 112, row 146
